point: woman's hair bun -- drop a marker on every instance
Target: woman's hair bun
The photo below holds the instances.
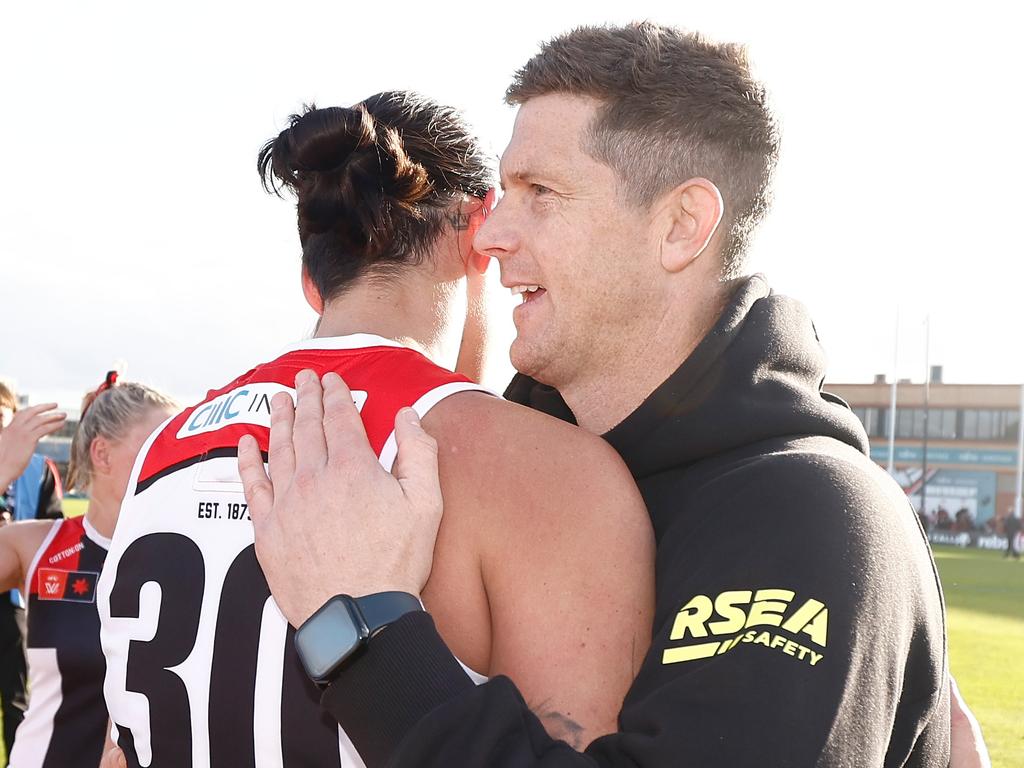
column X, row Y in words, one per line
column 377, row 183
column 348, row 172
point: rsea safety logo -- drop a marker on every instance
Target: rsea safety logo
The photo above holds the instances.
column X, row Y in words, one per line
column 714, row 626
column 248, row 404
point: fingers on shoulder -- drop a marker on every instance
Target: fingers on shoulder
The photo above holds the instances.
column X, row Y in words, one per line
column 410, row 432
column 256, row 483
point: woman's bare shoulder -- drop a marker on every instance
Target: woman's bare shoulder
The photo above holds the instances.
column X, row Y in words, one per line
column 510, row 456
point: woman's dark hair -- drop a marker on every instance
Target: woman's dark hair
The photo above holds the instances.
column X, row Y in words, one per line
column 374, row 182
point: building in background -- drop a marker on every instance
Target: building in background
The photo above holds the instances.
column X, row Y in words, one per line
column 971, row 480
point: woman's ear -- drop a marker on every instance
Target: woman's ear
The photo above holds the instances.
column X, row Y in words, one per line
column 312, row 294
column 99, row 455
column 477, row 261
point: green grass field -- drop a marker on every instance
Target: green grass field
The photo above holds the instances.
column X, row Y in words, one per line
column 985, row 600
column 75, row 506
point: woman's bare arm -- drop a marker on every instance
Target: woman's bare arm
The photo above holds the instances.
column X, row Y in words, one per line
column 967, row 745
column 18, row 544
column 555, row 528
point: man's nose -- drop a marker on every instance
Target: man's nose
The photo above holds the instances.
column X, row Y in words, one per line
column 497, row 236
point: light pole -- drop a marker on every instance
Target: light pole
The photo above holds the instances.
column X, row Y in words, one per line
column 892, row 397
column 1020, row 456
column 927, row 380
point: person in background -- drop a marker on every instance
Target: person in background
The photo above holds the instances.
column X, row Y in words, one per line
column 57, row 563
column 30, row 489
column 964, row 522
column 1011, row 527
column 925, row 522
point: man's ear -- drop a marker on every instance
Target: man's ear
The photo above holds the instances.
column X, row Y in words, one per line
column 692, row 214
column 312, row 293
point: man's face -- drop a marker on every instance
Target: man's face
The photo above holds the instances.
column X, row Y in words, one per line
column 564, row 225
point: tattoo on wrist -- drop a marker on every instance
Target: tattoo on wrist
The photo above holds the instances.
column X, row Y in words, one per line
column 560, row 726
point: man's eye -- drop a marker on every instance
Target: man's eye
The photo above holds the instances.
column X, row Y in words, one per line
column 540, row 189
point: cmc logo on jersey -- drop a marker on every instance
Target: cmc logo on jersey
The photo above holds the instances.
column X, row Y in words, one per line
column 248, row 404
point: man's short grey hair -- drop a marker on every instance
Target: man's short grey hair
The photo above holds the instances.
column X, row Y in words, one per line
column 674, row 106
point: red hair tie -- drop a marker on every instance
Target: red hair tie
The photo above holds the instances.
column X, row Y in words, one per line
column 108, row 383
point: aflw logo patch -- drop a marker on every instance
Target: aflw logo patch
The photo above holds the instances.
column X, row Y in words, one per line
column 739, row 616
column 74, row 586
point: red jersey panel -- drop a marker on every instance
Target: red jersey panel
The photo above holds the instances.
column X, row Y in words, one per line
column 383, row 378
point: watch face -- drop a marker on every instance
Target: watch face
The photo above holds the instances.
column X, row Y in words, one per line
column 327, row 639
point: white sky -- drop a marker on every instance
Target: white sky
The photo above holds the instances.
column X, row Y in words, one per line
column 133, row 226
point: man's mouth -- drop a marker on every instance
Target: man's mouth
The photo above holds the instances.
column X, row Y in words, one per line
column 528, row 292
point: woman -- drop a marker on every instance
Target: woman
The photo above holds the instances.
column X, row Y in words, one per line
column 544, row 568
column 57, row 564
column 30, row 488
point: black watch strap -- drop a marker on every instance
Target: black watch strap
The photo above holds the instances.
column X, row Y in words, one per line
column 383, row 608
column 344, row 625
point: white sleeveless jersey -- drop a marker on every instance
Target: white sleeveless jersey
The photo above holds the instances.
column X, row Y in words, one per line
column 66, row 722
column 201, row 667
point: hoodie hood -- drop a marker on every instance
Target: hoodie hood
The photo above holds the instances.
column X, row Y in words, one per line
column 756, row 376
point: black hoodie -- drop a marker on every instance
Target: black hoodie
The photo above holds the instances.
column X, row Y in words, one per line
column 799, row 619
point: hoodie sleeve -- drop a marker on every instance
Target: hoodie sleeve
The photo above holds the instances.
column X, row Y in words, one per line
column 406, row 702
column 797, row 624
column 800, row 622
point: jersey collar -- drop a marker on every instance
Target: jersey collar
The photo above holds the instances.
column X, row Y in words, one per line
column 352, row 341
column 95, row 535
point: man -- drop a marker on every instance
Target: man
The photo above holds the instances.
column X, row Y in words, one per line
column 1011, row 527
column 30, row 489
column 809, row 632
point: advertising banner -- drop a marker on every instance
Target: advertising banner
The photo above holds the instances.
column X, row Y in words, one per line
column 955, row 500
column 908, row 454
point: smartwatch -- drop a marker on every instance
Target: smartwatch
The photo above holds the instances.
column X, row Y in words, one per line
column 343, row 626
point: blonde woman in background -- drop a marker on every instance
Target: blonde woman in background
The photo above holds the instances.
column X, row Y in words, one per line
column 30, row 489
column 57, row 564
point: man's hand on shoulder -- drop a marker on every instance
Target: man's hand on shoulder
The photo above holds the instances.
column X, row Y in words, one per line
column 329, row 519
